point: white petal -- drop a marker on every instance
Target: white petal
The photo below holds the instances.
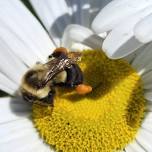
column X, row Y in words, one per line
column 148, row 108
column 143, row 30
column 144, row 139
column 142, row 62
column 103, row 35
column 121, row 41
column 55, row 16
column 113, row 14
column 146, row 124
column 129, row 149
column 80, row 34
column 21, row 136
column 148, row 95
column 7, row 85
column 10, row 65
column 134, row 147
column 118, row 47
column 22, row 33
column 6, row 89
column 147, row 68
column 79, row 46
column 147, row 79
column 13, row 109
column 131, row 57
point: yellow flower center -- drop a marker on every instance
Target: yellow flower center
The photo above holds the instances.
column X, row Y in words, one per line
column 105, row 120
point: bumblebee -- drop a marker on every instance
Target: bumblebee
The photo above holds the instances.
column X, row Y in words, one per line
column 38, row 83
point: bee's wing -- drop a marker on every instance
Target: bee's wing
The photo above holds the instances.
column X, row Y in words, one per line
column 55, row 66
column 51, row 68
column 51, row 64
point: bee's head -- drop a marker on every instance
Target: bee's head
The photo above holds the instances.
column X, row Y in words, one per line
column 61, row 53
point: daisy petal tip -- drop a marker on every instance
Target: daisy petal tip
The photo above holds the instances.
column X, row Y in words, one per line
column 99, row 24
column 143, row 29
column 103, row 35
column 80, row 34
column 111, row 52
column 141, row 34
column 118, row 46
column 115, row 54
column 95, row 26
column 74, row 33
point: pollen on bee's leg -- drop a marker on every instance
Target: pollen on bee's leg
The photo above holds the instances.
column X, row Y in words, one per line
column 83, row 89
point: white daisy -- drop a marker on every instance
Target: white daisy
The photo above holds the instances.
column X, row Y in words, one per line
column 23, row 41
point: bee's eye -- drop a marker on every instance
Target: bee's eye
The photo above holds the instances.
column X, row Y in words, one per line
column 50, row 56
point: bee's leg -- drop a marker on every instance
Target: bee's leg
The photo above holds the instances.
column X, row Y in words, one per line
column 28, row 97
column 71, row 77
column 50, row 97
column 79, row 75
column 74, row 77
column 80, row 87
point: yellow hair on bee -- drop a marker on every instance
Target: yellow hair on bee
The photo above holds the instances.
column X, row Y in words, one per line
column 25, row 86
column 61, row 77
column 41, row 93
